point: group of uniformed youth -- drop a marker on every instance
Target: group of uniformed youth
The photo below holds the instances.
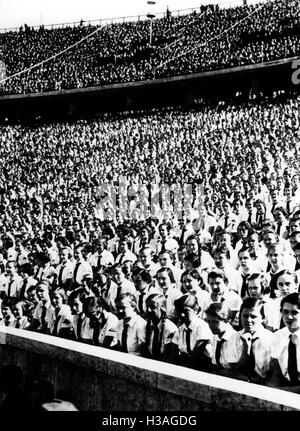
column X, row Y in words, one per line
column 217, row 294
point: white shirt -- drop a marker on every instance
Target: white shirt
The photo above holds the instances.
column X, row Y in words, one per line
column 261, row 342
column 39, row 310
column 14, row 286
column 106, row 259
column 273, row 313
column 171, row 295
column 65, row 318
column 136, row 334
column 170, row 244
column 128, row 255
column 126, row 286
column 230, row 349
column 166, row 337
column 199, row 331
column 109, row 328
column 279, row 349
column 86, row 333
column 83, row 269
column 67, row 272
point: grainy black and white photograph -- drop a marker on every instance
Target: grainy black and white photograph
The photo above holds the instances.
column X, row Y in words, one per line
column 149, row 209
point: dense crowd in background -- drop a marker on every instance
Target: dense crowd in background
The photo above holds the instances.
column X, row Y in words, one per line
column 122, row 52
column 214, row 287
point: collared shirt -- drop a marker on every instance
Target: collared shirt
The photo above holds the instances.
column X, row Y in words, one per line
column 14, row 286
column 128, row 255
column 279, row 349
column 64, row 317
column 261, row 342
column 39, row 311
column 206, row 261
column 84, row 269
column 203, row 298
column 199, row 330
column 171, row 295
column 48, row 272
column 169, row 328
column 233, row 300
column 22, row 323
column 170, row 244
column 230, row 349
column 235, row 279
column 67, row 271
column 125, row 287
column 177, row 273
column 105, row 258
column 30, row 281
column 273, row 313
column 109, row 329
column 86, row 332
column 136, row 334
column 3, row 283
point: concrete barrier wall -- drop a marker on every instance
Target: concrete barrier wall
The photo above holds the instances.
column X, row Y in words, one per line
column 97, row 379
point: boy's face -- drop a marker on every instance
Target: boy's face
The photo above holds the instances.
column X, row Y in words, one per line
column 220, row 259
column 6, row 312
column 224, row 240
column 43, row 294
column 56, row 301
column 153, row 311
column 216, row 325
column 291, row 316
column 217, row 286
column 254, row 288
column 278, row 216
column 181, row 254
column 190, row 284
column 140, row 284
column 119, row 276
column 253, row 241
column 124, row 309
column 146, row 257
column 64, row 255
column 295, row 240
column 245, row 259
column 269, row 238
column 275, row 257
column 76, row 307
column 78, row 255
column 17, row 311
column 163, row 231
column 286, row 284
column 192, row 245
column 251, row 319
column 163, row 280
column 295, row 225
column 165, row 260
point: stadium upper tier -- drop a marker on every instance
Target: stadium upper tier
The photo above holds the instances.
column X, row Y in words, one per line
column 212, row 39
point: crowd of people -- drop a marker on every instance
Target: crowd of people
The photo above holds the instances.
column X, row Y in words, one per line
column 214, row 38
column 172, row 234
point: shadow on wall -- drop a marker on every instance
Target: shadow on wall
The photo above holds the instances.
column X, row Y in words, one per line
column 37, row 396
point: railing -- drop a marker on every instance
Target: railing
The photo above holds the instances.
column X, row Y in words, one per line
column 133, row 18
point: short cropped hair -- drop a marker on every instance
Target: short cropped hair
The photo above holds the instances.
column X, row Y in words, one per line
column 220, row 310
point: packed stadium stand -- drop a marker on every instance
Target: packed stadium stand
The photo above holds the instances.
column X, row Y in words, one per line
column 210, row 39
